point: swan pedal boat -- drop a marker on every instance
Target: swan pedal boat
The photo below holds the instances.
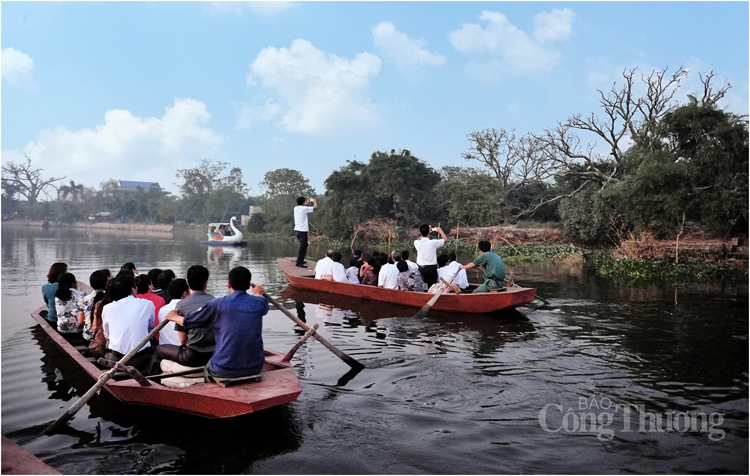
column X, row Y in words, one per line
column 216, row 238
column 278, row 385
column 466, row 302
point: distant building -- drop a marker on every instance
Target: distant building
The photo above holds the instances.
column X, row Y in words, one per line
column 132, row 186
column 255, row 209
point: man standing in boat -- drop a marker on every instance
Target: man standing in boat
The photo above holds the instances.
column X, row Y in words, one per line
column 427, row 253
column 301, row 226
column 237, row 321
column 492, row 265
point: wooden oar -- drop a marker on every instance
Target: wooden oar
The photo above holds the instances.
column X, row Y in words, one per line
column 351, row 362
column 536, row 296
column 103, row 379
column 426, row 308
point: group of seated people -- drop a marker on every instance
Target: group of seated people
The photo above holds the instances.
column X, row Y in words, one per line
column 396, row 271
column 123, row 309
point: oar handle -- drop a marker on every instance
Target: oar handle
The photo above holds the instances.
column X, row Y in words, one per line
column 341, row 355
column 103, row 379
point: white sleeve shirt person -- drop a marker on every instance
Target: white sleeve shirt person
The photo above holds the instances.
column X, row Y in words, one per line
column 462, row 281
column 126, row 322
column 168, row 334
column 337, row 273
column 323, row 267
column 447, row 272
column 300, row 217
column 427, row 250
column 388, row 276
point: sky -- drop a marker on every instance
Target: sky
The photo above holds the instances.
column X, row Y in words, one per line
column 138, row 90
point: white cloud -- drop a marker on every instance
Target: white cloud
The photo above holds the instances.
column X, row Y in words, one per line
column 408, row 54
column 17, row 67
column 513, row 50
column 125, row 146
column 313, row 92
column 553, row 26
column 266, row 9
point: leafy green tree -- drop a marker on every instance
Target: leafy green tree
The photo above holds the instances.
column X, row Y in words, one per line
column 286, row 182
column 699, row 172
column 396, row 186
column 470, row 196
column 207, row 195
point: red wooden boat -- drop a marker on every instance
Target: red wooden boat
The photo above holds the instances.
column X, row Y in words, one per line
column 509, row 298
column 278, row 385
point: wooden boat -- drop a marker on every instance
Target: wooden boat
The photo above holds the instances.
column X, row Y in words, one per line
column 278, row 385
column 508, row 298
column 224, row 234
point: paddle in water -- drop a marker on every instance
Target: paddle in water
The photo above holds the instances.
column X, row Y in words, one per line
column 351, row 362
column 103, row 379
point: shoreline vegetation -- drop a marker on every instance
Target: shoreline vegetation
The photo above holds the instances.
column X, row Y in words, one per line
column 644, row 260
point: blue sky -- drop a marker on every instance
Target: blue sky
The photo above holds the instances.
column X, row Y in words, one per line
column 135, row 91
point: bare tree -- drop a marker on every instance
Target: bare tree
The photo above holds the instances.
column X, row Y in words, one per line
column 515, row 161
column 27, row 180
column 627, row 119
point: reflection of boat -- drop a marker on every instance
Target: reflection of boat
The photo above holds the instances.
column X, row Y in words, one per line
column 218, row 254
column 224, row 234
column 509, row 298
column 278, row 385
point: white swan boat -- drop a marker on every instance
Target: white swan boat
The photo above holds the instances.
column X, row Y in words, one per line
column 224, row 234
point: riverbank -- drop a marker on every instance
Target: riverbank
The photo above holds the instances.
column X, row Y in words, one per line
column 110, row 226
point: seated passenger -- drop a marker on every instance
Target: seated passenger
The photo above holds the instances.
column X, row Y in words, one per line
column 197, row 344
column 67, row 304
column 129, row 266
column 409, row 279
column 322, row 267
column 462, row 281
column 369, row 271
column 405, row 257
column 98, row 281
column 163, row 280
column 178, row 290
column 388, row 276
column 237, row 320
column 145, row 291
column 126, row 321
column 448, row 272
column 336, row 271
column 492, row 265
column 49, row 290
column 352, row 272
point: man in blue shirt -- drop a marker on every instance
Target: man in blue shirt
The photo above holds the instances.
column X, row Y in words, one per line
column 237, row 321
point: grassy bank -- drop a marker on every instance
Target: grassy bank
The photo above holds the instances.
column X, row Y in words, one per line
column 665, row 270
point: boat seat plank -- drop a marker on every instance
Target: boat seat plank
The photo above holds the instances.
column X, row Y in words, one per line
column 229, row 382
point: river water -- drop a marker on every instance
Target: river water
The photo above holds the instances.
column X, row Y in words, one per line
column 607, row 378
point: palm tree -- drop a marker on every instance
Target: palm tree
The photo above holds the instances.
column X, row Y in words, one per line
column 74, row 190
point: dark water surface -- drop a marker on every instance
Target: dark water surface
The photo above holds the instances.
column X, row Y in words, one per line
column 608, row 378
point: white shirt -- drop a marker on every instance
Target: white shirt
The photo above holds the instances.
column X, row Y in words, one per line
column 338, row 272
column 126, row 322
column 388, row 276
column 447, row 272
column 412, row 264
column 323, row 267
column 300, row 217
column 168, row 335
column 427, row 250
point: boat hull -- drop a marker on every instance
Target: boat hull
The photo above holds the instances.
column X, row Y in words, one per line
column 224, row 243
column 304, row 278
column 278, row 385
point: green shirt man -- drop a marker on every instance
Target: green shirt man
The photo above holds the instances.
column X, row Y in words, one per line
column 491, row 264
